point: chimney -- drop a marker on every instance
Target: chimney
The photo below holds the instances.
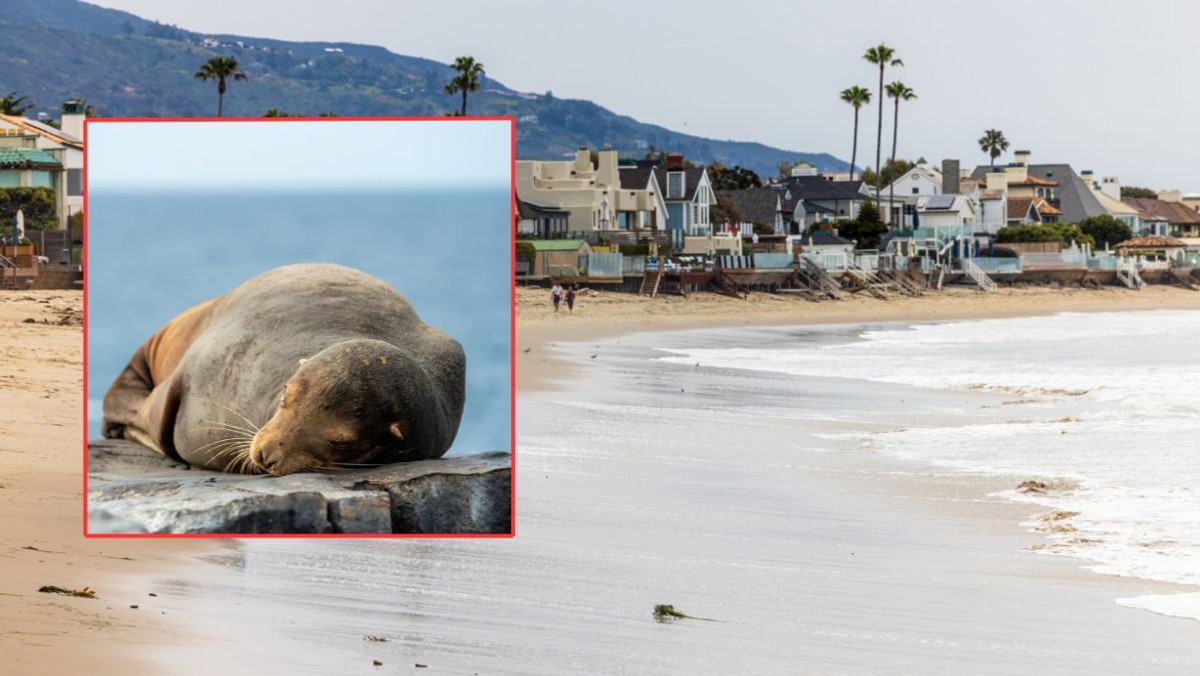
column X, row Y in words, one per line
column 72, row 117
column 1017, row 172
column 1111, row 186
column 606, row 168
column 583, row 161
column 1170, row 195
column 950, row 177
column 674, row 161
column 1022, row 157
column 997, row 179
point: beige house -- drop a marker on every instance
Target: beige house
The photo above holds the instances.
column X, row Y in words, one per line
column 593, row 194
column 64, row 145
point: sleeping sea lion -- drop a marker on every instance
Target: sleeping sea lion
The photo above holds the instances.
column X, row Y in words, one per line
column 309, row 367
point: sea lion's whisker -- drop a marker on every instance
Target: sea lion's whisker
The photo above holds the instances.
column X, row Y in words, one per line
column 238, row 414
column 230, row 425
column 220, row 446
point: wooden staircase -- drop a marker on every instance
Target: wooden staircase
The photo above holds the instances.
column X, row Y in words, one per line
column 818, row 280
column 867, row 281
column 1183, row 275
column 977, row 275
column 651, row 281
column 1127, row 274
column 902, row 282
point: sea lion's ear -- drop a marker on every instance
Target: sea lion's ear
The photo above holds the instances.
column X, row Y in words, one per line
column 396, row 431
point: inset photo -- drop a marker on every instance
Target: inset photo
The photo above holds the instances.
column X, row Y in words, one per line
column 299, row 326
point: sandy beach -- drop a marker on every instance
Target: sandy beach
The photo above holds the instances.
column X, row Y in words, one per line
column 41, row 532
column 899, row 525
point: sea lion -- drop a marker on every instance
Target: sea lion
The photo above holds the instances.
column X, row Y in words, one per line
column 309, row 367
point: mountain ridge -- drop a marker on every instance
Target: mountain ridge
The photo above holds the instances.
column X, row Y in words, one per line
column 127, row 66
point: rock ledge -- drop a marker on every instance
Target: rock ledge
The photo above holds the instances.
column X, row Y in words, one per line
column 132, row 489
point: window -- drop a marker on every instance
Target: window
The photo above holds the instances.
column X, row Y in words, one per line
column 916, row 190
column 674, row 185
column 74, row 182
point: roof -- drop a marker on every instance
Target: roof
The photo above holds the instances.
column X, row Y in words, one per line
column 1045, row 208
column 556, row 244
column 27, row 158
column 810, row 188
column 1151, row 243
column 634, row 178
column 756, row 205
column 1018, row 207
column 825, row 238
column 991, row 195
column 1115, row 206
column 691, row 179
column 531, row 210
column 1174, row 213
column 41, row 129
column 1075, row 198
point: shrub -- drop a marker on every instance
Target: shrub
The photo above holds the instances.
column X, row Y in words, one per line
column 37, row 204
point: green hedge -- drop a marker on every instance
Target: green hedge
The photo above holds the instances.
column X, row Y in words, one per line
column 526, row 252
column 36, row 203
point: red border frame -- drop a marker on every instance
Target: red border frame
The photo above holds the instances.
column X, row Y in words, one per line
column 512, row 328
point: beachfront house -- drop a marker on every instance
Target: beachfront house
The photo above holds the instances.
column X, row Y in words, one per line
column 597, row 196
column 687, row 193
column 1161, row 218
column 823, row 242
column 939, row 211
column 1062, row 196
column 64, row 146
column 756, row 210
column 535, row 221
column 812, row 200
column 921, row 180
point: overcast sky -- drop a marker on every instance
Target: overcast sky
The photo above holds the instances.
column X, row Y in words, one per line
column 1107, row 85
column 280, row 154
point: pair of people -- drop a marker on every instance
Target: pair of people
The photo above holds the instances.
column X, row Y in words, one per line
column 557, row 295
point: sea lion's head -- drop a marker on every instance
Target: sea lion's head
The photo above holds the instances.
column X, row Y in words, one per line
column 356, row 403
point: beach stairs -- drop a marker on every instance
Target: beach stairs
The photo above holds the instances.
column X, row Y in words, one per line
column 651, row 280
column 722, row 283
column 815, row 277
column 902, row 282
column 1127, row 274
column 867, row 280
column 936, row 278
column 1183, row 275
column 977, row 275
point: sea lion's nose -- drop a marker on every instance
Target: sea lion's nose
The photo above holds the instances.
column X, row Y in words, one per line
column 270, row 457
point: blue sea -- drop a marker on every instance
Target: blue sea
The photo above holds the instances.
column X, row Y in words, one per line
column 151, row 255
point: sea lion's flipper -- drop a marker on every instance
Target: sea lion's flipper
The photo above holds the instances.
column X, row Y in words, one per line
column 155, row 423
column 126, row 395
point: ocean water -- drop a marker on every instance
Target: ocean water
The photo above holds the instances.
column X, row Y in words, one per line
column 1108, row 402
column 152, row 255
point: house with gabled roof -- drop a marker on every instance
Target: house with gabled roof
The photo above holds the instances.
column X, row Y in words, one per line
column 756, row 207
column 1162, row 218
column 1062, row 189
column 64, row 145
column 810, row 200
column 686, row 191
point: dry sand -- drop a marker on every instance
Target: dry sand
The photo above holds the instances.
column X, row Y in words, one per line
column 600, row 314
column 41, row 503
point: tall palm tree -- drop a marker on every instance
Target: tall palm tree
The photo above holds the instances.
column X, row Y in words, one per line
column 993, row 143
column 858, row 97
column 219, row 68
column 882, row 56
column 470, row 74
column 898, row 92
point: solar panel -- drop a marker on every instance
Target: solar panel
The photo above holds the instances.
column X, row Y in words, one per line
column 939, row 202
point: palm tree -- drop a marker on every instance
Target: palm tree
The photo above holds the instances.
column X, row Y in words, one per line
column 993, row 143
column 218, row 68
column 898, row 92
column 882, row 56
column 858, row 97
column 470, row 73
column 15, row 104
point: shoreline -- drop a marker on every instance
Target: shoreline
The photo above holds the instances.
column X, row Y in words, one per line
column 609, row 314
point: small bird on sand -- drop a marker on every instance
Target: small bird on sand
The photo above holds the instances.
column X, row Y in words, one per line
column 528, row 349
column 594, row 356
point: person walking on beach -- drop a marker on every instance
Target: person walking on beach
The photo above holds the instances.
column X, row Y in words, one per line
column 556, row 295
column 571, row 299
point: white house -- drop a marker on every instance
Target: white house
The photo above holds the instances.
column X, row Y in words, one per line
column 65, row 145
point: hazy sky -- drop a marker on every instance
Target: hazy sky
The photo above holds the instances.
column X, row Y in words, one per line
column 290, row 154
column 1107, row 85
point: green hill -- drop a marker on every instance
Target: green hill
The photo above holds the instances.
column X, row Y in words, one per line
column 126, row 66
